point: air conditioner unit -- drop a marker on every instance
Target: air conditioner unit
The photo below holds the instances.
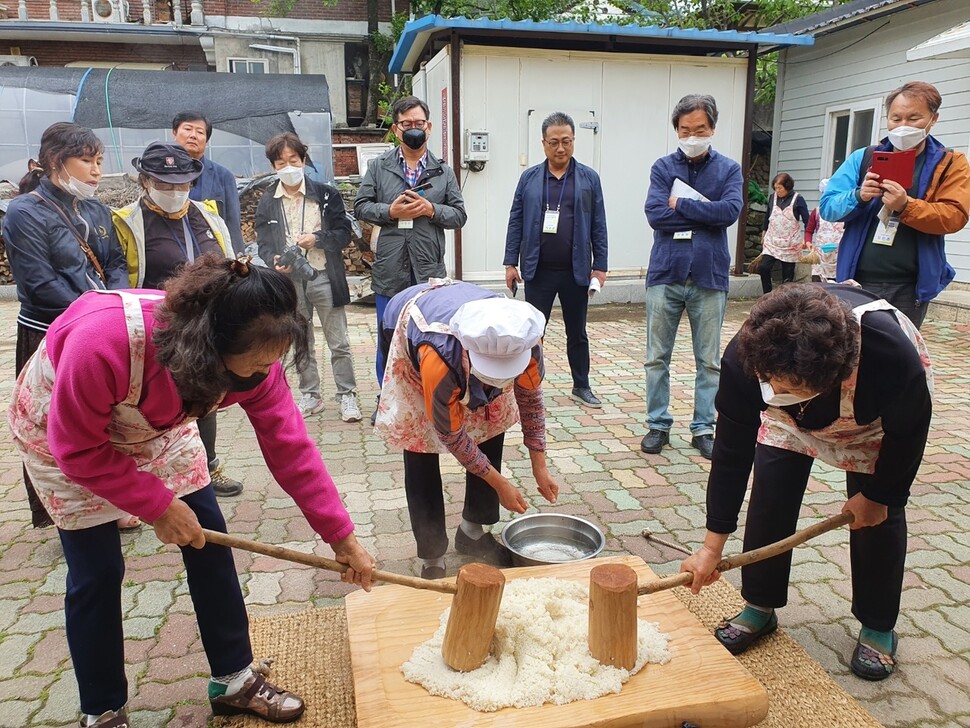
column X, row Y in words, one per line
column 18, row 61
column 109, row 11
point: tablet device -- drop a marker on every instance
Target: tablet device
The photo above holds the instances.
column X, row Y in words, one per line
column 897, row 166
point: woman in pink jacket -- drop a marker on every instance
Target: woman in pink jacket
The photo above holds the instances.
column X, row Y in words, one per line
column 104, row 417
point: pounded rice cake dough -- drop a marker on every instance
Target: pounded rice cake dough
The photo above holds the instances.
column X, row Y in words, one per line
column 539, row 653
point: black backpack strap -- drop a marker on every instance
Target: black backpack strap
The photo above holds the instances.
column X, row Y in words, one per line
column 866, row 163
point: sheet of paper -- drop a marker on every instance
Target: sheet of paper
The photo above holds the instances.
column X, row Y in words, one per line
column 682, row 189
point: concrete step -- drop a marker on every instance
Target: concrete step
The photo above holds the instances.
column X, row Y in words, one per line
column 953, row 304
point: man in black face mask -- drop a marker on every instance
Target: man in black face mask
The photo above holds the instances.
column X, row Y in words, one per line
column 411, row 245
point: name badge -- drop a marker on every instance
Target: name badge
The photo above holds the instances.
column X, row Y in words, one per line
column 550, row 221
column 886, row 232
column 405, row 224
column 684, row 235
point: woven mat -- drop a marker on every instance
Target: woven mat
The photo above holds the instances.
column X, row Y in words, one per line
column 312, row 658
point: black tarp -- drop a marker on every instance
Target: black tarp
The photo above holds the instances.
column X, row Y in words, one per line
column 254, row 106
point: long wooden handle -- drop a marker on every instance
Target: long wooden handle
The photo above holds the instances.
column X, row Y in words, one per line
column 750, row 557
column 321, row 562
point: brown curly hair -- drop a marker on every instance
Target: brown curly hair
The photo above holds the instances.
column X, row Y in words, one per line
column 802, row 333
column 214, row 307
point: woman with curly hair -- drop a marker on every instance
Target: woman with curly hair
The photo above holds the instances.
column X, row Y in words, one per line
column 104, row 419
column 834, row 373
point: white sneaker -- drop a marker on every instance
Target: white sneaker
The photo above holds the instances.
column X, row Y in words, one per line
column 349, row 411
column 310, row 405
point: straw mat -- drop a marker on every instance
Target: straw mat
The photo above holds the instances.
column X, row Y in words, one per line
column 312, row 658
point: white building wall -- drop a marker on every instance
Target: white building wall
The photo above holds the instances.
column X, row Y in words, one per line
column 509, row 91
column 862, row 64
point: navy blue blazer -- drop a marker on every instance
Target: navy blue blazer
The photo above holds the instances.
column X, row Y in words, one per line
column 589, row 223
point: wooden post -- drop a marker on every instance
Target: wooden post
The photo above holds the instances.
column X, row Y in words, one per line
column 471, row 624
column 613, row 615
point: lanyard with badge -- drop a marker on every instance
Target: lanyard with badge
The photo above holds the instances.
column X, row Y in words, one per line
column 550, row 220
column 886, row 227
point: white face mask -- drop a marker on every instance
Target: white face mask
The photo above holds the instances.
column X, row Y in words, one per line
column 169, row 201
column 498, row 383
column 290, row 176
column 81, row 190
column 782, row 400
column 694, row 146
column 906, row 137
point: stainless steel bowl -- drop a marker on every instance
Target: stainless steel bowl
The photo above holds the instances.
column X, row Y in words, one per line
column 541, row 539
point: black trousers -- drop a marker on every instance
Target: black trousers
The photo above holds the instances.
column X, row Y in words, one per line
column 207, row 433
column 426, row 498
column 900, row 295
column 767, row 265
column 541, row 292
column 877, row 554
column 92, row 606
column 27, row 342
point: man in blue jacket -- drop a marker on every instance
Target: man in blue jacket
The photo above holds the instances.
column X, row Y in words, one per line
column 557, row 233
column 192, row 131
column 689, row 266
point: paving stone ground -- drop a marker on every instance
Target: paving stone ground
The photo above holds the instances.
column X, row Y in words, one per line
column 596, row 453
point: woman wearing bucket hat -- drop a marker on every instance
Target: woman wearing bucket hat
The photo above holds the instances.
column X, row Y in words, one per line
column 463, row 364
column 162, row 232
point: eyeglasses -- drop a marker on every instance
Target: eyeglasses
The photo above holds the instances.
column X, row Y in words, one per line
column 556, row 143
column 417, row 124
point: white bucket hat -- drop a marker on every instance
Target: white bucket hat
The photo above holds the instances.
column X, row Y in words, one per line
column 499, row 334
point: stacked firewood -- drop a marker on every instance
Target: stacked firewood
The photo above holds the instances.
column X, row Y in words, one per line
column 7, row 192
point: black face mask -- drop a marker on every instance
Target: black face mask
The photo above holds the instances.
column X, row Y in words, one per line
column 244, row 384
column 414, row 138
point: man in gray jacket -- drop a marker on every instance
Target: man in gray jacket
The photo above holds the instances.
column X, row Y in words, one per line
column 413, row 197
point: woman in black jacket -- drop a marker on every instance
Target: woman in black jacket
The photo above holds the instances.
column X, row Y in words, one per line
column 302, row 229
column 60, row 242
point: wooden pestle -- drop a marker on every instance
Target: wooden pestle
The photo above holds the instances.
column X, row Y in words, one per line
column 474, row 610
column 321, row 562
column 749, row 557
column 612, row 634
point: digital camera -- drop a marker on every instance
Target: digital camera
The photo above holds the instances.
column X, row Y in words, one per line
column 301, row 270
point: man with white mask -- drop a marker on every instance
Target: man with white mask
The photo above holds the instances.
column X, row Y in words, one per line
column 689, row 266
column 893, row 242
column 302, row 229
column 163, row 231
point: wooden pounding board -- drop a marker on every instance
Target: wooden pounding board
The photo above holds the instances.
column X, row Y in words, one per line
column 702, row 683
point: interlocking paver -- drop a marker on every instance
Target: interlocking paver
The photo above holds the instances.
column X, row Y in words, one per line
column 605, row 477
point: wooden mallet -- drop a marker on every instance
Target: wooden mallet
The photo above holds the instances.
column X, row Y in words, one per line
column 474, row 610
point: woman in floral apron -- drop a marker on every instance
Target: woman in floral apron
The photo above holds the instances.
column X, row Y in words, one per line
column 782, row 237
column 104, row 418
column 834, row 373
column 824, row 237
column 463, row 363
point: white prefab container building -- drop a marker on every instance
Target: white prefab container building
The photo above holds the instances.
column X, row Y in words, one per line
column 490, row 84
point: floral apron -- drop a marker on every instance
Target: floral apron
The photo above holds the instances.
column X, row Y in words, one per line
column 826, row 242
column 175, row 455
column 402, row 420
column 843, row 444
column 783, row 238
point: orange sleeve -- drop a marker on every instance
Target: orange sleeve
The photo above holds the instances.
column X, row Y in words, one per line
column 441, row 391
column 948, row 207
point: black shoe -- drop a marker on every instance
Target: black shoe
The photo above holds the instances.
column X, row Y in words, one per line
column 485, row 548
column 584, row 395
column 654, row 441
column 223, row 485
column 737, row 640
column 869, row 664
column 432, row 572
column 704, row 443
column 373, row 417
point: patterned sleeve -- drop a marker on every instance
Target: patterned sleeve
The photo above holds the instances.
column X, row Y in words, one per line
column 528, row 395
column 441, row 404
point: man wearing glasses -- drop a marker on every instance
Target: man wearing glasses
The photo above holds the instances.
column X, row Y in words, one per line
column 413, row 197
column 557, row 234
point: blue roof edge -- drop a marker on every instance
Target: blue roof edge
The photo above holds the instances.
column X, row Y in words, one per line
column 414, row 29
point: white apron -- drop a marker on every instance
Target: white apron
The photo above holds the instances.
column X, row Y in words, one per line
column 826, row 243
column 844, row 444
column 783, row 238
column 176, row 455
column 402, row 420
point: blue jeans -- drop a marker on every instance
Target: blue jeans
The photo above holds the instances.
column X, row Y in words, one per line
column 705, row 312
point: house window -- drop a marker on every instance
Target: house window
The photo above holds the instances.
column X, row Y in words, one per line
column 849, row 128
column 248, row 65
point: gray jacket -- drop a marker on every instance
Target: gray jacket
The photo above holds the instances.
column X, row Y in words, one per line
column 405, row 257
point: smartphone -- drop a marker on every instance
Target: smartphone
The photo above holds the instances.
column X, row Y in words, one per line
column 421, row 187
column 515, row 288
column 896, row 166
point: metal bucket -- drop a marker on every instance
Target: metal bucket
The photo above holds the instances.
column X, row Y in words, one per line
column 541, row 539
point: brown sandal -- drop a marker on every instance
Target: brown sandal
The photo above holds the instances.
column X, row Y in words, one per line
column 260, row 698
